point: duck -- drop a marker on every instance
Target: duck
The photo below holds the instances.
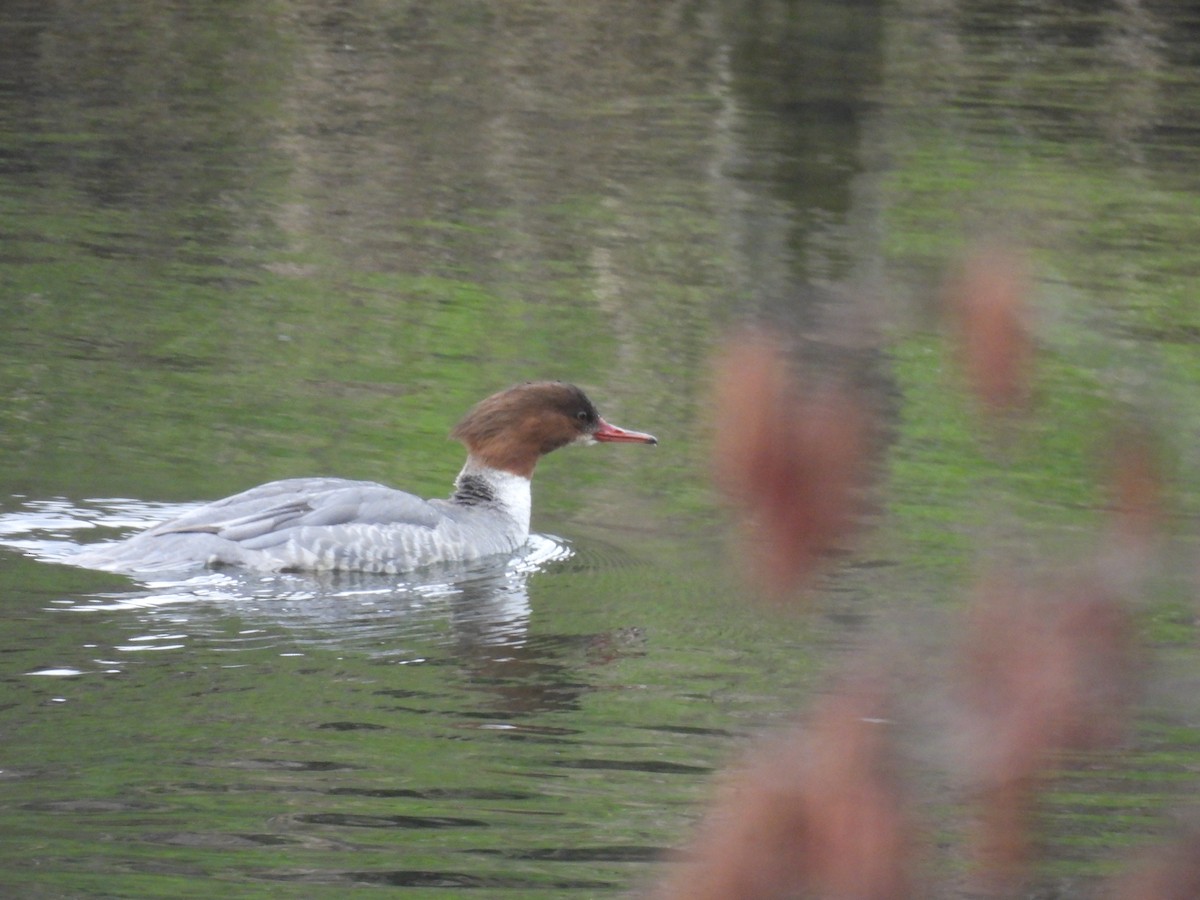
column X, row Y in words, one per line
column 341, row 525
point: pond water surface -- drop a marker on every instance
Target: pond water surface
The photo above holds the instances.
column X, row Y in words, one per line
column 247, row 241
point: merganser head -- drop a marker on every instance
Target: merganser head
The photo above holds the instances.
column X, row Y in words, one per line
column 511, row 430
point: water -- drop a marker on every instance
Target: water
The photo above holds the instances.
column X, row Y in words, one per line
column 268, row 240
column 340, row 730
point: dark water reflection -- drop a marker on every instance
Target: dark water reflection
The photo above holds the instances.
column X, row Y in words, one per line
column 248, row 241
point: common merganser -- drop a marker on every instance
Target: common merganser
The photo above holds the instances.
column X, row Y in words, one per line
column 334, row 524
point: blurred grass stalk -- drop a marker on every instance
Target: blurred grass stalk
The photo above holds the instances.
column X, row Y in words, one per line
column 1042, row 669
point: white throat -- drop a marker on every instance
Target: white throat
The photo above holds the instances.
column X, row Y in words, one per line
column 512, row 493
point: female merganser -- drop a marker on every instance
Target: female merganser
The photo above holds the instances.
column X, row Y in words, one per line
column 333, row 524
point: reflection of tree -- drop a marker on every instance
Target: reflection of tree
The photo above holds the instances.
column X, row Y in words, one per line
column 449, row 113
column 148, row 102
column 798, row 90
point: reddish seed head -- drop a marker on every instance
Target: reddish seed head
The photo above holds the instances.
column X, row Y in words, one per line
column 1135, row 487
column 795, row 464
column 816, row 813
column 986, row 302
column 1042, row 672
column 1168, row 873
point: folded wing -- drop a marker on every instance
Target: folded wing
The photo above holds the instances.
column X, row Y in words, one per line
column 265, row 516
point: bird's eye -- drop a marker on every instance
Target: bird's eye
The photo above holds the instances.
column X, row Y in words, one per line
column 584, row 416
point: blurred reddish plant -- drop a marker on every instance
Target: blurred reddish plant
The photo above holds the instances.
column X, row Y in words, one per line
column 816, row 812
column 985, row 300
column 1042, row 672
column 795, row 463
column 1135, row 483
column 1167, row 873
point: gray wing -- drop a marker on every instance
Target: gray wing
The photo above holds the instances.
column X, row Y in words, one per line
column 264, row 516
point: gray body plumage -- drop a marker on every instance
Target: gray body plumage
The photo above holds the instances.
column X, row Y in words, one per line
column 333, row 524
